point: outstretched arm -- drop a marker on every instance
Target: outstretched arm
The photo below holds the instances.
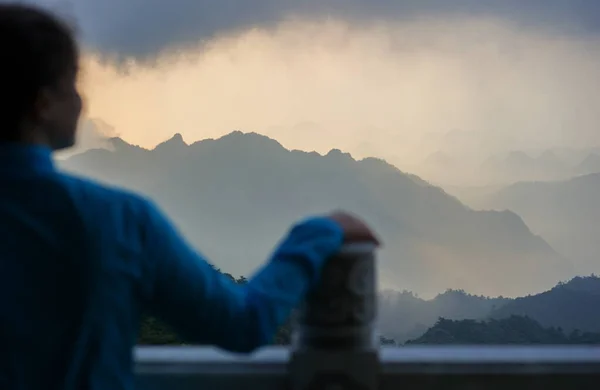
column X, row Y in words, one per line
column 206, row 307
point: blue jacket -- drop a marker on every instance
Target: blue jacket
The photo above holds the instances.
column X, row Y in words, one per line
column 80, row 261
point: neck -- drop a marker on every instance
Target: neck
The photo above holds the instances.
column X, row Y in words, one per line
column 35, row 137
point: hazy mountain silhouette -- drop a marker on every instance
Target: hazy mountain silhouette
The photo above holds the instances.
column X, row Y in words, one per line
column 570, row 306
column 520, row 166
column 438, row 163
column 235, row 196
column 455, row 168
column 404, row 316
column 549, row 164
column 566, row 213
column 514, row 330
column 591, row 164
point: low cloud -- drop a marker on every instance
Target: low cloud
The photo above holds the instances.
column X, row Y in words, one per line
column 146, row 27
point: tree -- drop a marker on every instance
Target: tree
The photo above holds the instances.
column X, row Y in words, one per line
column 512, row 330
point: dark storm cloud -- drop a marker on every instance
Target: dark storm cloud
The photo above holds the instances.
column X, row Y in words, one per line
column 142, row 27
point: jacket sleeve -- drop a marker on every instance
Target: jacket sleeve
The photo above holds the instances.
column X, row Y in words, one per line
column 206, row 307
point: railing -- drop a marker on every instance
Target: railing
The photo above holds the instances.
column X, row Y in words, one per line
column 334, row 349
column 569, row 368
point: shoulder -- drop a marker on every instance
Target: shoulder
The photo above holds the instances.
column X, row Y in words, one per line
column 96, row 194
column 106, row 206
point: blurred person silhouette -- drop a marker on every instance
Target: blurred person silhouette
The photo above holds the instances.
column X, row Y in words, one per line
column 80, row 261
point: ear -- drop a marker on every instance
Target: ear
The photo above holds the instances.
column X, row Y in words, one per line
column 43, row 105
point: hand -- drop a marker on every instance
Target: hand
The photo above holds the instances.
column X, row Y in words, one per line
column 355, row 230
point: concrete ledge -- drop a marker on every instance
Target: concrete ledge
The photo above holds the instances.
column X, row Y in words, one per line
column 425, row 367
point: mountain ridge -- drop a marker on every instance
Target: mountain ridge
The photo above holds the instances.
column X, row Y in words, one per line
column 404, row 316
column 247, row 188
column 564, row 212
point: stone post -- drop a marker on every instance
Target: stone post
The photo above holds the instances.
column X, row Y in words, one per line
column 333, row 345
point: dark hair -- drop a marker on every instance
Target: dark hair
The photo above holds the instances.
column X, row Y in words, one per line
column 36, row 51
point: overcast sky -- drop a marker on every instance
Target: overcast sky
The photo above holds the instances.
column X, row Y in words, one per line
column 147, row 26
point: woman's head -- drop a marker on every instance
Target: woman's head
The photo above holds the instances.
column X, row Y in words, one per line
column 39, row 102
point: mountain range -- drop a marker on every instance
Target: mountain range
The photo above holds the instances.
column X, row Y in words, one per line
column 403, row 315
column 566, row 306
column 514, row 330
column 565, row 212
column 590, row 164
column 235, row 196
